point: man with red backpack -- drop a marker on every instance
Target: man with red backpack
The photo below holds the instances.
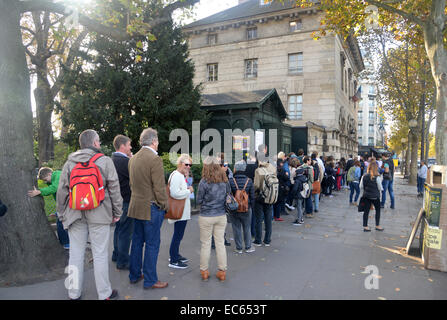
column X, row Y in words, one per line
column 89, row 201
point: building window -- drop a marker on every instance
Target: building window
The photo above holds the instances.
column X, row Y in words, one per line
column 371, row 103
column 360, row 128
column 296, row 107
column 295, row 25
column 296, row 62
column 251, row 68
column 372, row 90
column 212, row 38
column 252, row 33
column 371, row 115
column 346, row 82
column 371, row 141
column 360, row 115
column 316, row 140
column 371, row 128
column 360, row 140
column 212, row 72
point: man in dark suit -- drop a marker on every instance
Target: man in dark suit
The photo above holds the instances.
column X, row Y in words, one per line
column 124, row 227
column 148, row 205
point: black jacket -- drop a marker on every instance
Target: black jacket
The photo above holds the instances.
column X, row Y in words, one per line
column 240, row 180
column 122, row 168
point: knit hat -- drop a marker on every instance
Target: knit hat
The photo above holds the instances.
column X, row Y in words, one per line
column 240, row 166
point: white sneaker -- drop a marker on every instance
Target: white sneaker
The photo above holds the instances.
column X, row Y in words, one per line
column 290, row 207
column 251, row 249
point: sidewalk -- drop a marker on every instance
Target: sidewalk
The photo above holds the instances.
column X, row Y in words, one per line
column 322, row 259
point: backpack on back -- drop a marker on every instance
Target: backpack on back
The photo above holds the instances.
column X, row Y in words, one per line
column 316, row 171
column 351, row 174
column 241, row 197
column 86, row 185
column 302, row 181
column 270, row 187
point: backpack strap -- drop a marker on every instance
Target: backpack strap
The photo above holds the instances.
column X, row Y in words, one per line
column 246, row 182
column 235, row 184
column 96, row 157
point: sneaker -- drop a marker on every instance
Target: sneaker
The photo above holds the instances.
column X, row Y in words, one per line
column 113, row 296
column 66, row 246
column 302, row 221
column 382, row 207
column 290, row 207
column 315, row 210
column 181, row 259
column 238, row 251
column 267, row 244
column 279, row 219
column 297, row 223
column 257, row 244
column 331, row 196
column 251, row 249
column 178, row 265
column 227, row 243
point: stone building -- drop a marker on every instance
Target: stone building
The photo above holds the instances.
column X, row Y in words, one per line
column 262, row 46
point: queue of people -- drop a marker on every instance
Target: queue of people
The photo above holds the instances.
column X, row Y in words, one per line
column 130, row 192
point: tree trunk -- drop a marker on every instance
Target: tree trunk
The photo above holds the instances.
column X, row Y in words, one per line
column 29, row 250
column 407, row 161
column 44, row 107
column 414, row 145
column 434, row 45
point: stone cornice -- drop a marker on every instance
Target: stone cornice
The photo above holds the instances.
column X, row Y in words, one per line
column 293, row 13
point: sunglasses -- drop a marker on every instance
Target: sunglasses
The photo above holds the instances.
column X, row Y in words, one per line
column 188, row 164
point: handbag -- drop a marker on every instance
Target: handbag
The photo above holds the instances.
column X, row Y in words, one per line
column 316, row 187
column 362, row 204
column 175, row 206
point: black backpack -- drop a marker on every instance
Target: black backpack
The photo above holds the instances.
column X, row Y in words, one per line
column 316, row 171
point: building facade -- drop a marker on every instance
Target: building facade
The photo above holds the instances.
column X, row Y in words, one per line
column 261, row 46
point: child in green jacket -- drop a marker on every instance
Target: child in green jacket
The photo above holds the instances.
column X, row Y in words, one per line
column 52, row 180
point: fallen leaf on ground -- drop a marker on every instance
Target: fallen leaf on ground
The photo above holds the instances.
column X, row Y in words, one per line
column 429, row 279
column 262, row 259
column 397, row 289
column 381, row 298
column 164, row 298
column 402, row 267
column 307, row 226
column 127, row 297
column 388, row 260
column 326, row 236
column 266, row 284
column 276, row 250
column 171, row 273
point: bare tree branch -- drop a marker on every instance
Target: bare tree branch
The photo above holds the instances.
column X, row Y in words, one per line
column 402, row 13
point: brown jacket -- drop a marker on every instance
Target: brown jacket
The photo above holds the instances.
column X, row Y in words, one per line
column 147, row 183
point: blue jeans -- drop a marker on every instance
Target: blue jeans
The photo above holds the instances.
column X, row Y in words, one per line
column 179, row 231
column 62, row 234
column 421, row 182
column 147, row 233
column 121, row 238
column 316, row 198
column 308, row 204
column 387, row 185
column 263, row 211
column 354, row 186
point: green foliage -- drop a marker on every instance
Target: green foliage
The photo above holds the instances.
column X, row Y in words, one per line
column 117, row 95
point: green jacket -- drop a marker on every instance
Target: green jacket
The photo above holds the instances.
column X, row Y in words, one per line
column 52, row 187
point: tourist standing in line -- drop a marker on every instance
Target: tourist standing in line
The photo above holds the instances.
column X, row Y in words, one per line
column 213, row 188
column 148, row 205
column 284, row 181
column 388, row 180
column 241, row 221
column 353, row 177
column 309, row 173
column 371, row 184
column 422, row 176
column 178, row 189
column 124, row 227
column 318, row 178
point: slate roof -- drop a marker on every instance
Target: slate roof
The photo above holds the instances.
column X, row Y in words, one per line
column 231, row 98
column 246, row 9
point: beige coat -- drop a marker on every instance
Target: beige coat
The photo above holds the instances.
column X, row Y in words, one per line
column 113, row 202
column 259, row 174
column 147, row 183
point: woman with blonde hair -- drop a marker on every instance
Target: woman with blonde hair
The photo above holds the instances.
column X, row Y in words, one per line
column 211, row 195
column 371, row 184
column 179, row 189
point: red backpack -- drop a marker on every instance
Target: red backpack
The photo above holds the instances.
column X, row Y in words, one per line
column 86, row 185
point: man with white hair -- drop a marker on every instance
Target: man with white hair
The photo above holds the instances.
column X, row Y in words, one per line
column 93, row 222
column 148, row 205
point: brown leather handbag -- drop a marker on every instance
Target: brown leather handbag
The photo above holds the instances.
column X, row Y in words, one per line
column 175, row 206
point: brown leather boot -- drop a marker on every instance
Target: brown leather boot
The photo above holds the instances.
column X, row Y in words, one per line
column 221, row 275
column 205, row 274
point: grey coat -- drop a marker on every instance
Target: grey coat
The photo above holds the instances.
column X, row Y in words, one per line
column 113, row 202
